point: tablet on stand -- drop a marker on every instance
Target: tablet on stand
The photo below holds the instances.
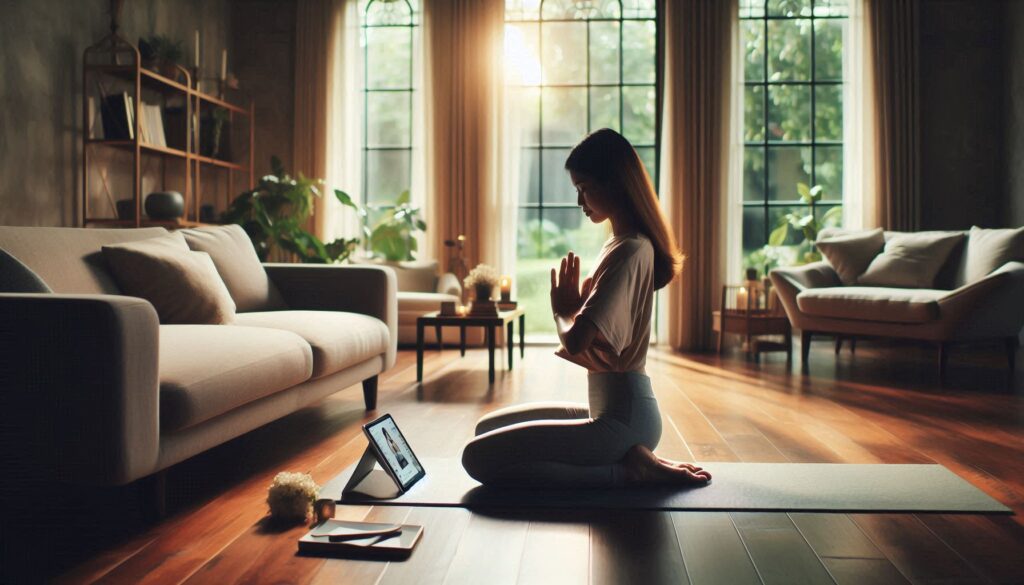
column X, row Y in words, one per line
column 399, row 469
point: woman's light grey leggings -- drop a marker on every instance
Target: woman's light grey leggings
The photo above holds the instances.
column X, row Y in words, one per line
column 566, row 443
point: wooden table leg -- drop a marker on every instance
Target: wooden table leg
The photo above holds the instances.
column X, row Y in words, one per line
column 419, row 351
column 509, row 345
column 437, row 331
column 462, row 340
column 522, row 336
column 490, row 352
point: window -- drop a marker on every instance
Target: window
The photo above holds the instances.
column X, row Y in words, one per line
column 389, row 30
column 793, row 124
column 575, row 66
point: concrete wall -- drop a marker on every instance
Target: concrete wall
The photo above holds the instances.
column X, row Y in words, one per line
column 962, row 94
column 41, row 45
column 1013, row 108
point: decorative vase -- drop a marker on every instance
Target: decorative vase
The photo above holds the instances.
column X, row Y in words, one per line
column 483, row 292
column 164, row 205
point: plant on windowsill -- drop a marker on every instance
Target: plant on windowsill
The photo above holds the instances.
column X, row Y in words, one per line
column 806, row 224
column 274, row 213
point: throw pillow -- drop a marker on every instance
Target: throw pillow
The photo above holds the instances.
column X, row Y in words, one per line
column 183, row 286
column 15, row 277
column 910, row 260
column 850, row 254
column 236, row 260
column 990, row 249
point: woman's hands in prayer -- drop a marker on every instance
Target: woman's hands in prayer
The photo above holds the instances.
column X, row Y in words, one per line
column 567, row 297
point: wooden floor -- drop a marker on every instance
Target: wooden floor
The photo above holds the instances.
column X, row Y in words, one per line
column 882, row 405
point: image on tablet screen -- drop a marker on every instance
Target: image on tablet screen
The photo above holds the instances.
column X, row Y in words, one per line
column 395, row 450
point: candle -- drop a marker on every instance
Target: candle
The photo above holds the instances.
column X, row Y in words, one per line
column 224, row 64
column 741, row 299
column 506, row 289
column 462, row 310
column 196, row 55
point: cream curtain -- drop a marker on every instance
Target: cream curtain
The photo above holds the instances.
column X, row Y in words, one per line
column 697, row 135
column 860, row 138
column 467, row 187
column 894, row 27
column 328, row 80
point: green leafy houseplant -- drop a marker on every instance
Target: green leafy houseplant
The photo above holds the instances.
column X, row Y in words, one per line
column 805, row 223
column 274, row 215
column 161, row 53
column 392, row 235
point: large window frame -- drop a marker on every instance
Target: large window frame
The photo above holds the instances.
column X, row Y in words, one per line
column 381, row 15
column 538, row 201
column 769, row 13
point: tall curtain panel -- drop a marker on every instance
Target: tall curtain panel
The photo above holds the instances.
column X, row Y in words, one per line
column 860, row 144
column 699, row 46
column 464, row 93
column 315, row 30
column 895, row 39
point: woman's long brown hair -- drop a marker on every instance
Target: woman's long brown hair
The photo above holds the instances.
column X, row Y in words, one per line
column 606, row 157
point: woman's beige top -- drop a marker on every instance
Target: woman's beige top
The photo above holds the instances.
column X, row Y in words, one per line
column 620, row 305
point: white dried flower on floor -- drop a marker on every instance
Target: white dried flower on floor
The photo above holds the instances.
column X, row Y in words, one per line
column 291, row 496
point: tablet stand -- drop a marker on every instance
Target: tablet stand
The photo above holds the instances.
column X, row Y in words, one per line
column 367, row 481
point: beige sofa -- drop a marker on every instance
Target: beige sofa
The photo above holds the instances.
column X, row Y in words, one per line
column 955, row 308
column 96, row 390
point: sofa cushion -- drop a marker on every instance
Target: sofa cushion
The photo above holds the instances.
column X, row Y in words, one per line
column 15, row 277
column 183, row 286
column 411, row 275
column 892, row 305
column 69, row 260
column 988, row 249
column 338, row 339
column 207, row 370
column 236, row 260
column 911, row 260
column 850, row 254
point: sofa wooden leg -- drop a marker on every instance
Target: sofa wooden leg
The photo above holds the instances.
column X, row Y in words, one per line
column 853, row 345
column 153, row 495
column 370, row 393
column 943, row 360
column 839, row 344
column 805, row 351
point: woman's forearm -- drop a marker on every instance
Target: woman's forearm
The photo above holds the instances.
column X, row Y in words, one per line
column 563, row 325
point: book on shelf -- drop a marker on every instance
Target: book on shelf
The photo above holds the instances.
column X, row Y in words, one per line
column 151, row 125
column 118, row 114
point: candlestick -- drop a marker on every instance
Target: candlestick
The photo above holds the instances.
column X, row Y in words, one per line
column 196, row 55
column 224, row 64
column 741, row 299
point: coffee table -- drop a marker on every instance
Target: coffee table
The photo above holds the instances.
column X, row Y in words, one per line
column 506, row 318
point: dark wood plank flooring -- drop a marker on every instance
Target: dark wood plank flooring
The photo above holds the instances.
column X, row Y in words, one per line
column 882, row 405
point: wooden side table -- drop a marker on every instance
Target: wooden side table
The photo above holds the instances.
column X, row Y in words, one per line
column 506, row 318
column 751, row 324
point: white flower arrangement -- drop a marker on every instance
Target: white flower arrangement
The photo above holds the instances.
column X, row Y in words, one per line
column 482, row 275
column 291, row 496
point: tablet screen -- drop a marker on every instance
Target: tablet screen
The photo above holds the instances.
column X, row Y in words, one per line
column 396, row 451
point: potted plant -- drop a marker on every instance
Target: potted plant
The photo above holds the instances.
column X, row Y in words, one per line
column 274, row 213
column 805, row 223
column 391, row 238
column 482, row 280
column 161, row 54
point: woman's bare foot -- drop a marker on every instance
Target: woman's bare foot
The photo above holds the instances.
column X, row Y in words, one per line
column 690, row 466
column 643, row 467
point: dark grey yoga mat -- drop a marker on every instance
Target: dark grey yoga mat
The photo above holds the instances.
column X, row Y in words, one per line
column 819, row 487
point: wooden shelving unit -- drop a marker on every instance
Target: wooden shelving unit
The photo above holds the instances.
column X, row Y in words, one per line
column 115, row 63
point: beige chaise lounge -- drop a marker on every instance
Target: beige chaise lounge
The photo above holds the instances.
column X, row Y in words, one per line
column 96, row 390
column 954, row 308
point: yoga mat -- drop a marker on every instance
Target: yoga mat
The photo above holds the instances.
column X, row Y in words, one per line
column 817, row 487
